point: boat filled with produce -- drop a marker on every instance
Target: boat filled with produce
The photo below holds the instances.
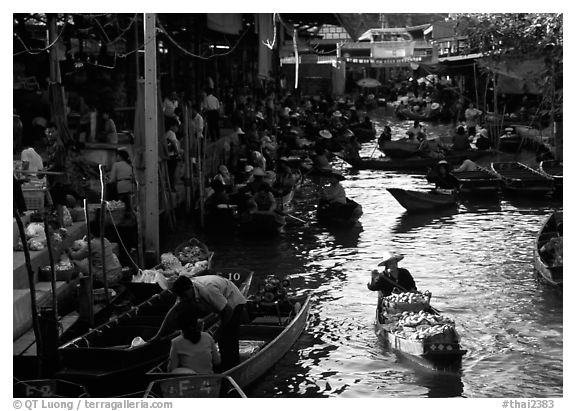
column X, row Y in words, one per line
column 410, row 325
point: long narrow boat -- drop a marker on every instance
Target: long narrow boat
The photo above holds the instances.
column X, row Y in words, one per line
column 520, row 179
column 554, row 169
column 543, row 262
column 418, row 164
column 109, row 357
column 402, row 148
column 422, row 201
column 442, row 351
column 479, row 182
column 271, row 332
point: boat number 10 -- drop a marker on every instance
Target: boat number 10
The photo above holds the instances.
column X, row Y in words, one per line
column 234, row 276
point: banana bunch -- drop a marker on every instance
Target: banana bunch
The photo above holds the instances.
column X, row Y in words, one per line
column 406, row 297
column 423, row 318
column 424, row 333
column 192, row 254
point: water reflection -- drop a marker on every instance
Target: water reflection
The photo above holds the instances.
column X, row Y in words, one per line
column 414, row 221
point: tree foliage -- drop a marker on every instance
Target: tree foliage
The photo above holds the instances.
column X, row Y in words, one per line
column 513, row 34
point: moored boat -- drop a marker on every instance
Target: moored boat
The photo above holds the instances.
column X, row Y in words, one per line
column 402, row 148
column 419, row 331
column 554, row 169
column 548, row 266
column 418, row 164
column 271, row 332
column 479, row 182
column 422, row 201
column 110, row 357
column 520, row 179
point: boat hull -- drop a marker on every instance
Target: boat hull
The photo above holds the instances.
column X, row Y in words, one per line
column 419, row 201
column 439, row 355
column 555, row 170
column 399, row 149
column 480, row 182
column 278, row 337
column 521, row 180
column 103, row 360
column 339, row 215
column 417, row 164
column 550, row 274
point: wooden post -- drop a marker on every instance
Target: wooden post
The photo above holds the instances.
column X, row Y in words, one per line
column 51, row 259
column 103, row 209
column 86, row 296
column 187, row 177
column 53, row 53
column 151, row 218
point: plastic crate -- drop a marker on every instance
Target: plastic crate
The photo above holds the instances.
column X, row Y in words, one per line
column 34, row 198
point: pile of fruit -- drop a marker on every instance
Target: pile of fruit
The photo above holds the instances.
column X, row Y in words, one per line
column 406, row 301
column 192, row 254
column 423, row 325
column 273, row 289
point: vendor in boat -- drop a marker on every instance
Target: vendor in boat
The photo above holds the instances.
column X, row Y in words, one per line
column 202, row 295
column 225, row 177
column 193, row 351
column 483, row 140
column 416, row 132
column 552, row 250
column 218, row 196
column 385, row 136
column 442, row 178
column 82, row 257
column 392, row 277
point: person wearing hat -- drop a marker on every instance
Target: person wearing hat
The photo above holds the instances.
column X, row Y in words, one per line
column 441, row 177
column 392, row 277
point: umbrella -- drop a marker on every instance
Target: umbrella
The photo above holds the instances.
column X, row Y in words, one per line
column 368, row 83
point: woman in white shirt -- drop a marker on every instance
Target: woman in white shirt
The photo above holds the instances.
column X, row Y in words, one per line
column 122, row 176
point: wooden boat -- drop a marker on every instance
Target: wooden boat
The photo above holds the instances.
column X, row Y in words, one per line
column 479, row 182
column 555, row 170
column 422, row 201
column 520, row 179
column 271, row 332
column 339, row 214
column 106, row 359
column 48, row 388
column 442, row 351
column 542, row 264
column 402, row 148
column 411, row 164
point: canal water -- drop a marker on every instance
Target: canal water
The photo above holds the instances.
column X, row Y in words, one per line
column 476, row 261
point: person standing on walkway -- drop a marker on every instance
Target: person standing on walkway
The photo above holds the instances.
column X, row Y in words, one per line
column 472, row 115
column 212, row 112
column 122, row 175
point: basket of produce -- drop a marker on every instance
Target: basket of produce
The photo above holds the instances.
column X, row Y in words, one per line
column 425, row 326
column 34, row 198
column 64, row 271
column 272, row 290
column 192, row 251
column 406, row 301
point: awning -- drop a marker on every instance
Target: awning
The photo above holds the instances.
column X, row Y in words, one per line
column 517, row 76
